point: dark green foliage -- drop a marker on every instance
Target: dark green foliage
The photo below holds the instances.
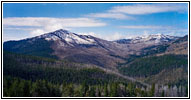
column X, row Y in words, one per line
column 26, row 76
column 151, row 50
column 84, row 58
column 39, row 47
column 92, row 91
column 36, row 79
column 16, row 87
column 41, row 88
column 152, row 91
column 58, row 75
column 129, row 59
column 154, row 49
column 114, row 88
column 186, row 91
column 68, row 90
column 27, row 58
column 131, row 90
column 105, row 90
column 143, row 67
column 148, row 51
column 31, row 69
column 162, row 95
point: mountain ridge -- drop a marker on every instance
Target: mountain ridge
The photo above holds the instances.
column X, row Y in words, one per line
column 63, row 44
column 153, row 38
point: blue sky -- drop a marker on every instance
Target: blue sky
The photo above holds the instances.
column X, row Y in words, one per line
column 109, row 21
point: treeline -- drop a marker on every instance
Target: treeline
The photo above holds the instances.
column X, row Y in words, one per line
column 58, row 75
column 30, row 69
column 16, row 87
column 147, row 66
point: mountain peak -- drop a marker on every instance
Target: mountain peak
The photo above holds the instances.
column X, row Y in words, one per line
column 69, row 37
column 61, row 31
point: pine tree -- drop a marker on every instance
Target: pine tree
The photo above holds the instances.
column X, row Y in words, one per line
column 131, row 88
column 114, row 91
column 68, row 90
column 27, row 88
column 92, row 91
column 13, row 91
column 105, row 90
column 152, row 91
column 162, row 95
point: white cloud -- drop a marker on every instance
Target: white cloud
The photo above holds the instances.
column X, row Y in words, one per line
column 111, row 37
column 114, row 36
column 46, row 24
column 110, row 15
column 89, row 33
column 124, row 12
column 18, row 28
column 139, row 9
column 40, row 25
column 42, row 21
column 37, row 32
column 7, row 38
column 142, row 27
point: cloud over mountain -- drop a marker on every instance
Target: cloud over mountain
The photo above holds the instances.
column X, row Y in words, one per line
column 140, row 9
column 47, row 24
column 110, row 15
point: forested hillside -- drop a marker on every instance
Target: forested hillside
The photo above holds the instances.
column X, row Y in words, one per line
column 37, row 76
column 39, row 47
column 159, row 70
column 34, row 68
column 146, row 66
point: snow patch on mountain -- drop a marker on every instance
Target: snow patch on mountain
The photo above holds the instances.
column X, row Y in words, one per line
column 149, row 39
column 69, row 37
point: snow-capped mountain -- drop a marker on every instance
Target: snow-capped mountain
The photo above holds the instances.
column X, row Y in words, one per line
column 68, row 37
column 63, row 44
column 150, row 39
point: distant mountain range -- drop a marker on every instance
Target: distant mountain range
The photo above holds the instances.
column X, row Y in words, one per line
column 63, row 44
column 150, row 39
